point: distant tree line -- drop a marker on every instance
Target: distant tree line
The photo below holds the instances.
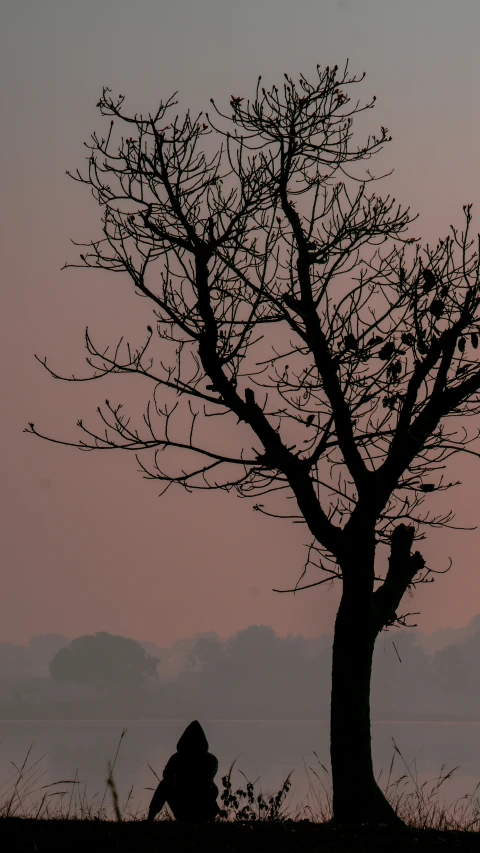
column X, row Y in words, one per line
column 254, row 673
column 255, row 670
column 32, row 660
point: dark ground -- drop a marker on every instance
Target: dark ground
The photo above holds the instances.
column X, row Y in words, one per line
column 69, row 836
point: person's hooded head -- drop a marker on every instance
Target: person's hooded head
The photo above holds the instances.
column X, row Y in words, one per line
column 193, row 739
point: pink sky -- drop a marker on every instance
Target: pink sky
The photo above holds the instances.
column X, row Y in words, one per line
column 86, row 544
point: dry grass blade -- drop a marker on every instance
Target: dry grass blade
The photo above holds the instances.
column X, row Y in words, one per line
column 113, row 788
column 124, row 731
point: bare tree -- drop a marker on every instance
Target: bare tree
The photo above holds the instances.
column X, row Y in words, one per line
column 290, row 301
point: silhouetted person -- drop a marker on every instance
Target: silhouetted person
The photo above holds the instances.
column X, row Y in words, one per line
column 187, row 785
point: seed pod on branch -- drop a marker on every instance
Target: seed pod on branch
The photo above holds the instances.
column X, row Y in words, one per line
column 387, row 351
column 350, row 342
column 437, row 307
column 429, row 280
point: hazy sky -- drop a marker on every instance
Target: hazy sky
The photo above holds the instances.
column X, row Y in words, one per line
column 86, row 545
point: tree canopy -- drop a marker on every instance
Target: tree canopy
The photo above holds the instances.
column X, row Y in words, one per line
column 288, row 297
column 306, row 346
column 103, row 659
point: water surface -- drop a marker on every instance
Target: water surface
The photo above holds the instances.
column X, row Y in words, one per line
column 268, row 749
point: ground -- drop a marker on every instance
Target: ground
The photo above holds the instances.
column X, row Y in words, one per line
column 19, row 835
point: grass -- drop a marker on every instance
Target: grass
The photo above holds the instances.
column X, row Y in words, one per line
column 36, row 815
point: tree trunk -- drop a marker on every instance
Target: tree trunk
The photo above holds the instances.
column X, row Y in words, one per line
column 356, row 795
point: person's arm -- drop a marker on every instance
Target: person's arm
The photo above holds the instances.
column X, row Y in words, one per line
column 158, row 801
column 170, row 769
column 161, row 794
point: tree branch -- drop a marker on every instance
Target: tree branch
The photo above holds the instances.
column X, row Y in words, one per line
column 403, row 566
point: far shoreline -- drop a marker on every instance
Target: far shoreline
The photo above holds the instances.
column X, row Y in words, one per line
column 456, row 719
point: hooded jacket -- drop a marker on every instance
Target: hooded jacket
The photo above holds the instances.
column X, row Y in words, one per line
column 192, row 768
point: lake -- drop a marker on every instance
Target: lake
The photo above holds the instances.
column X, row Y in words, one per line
column 269, row 749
